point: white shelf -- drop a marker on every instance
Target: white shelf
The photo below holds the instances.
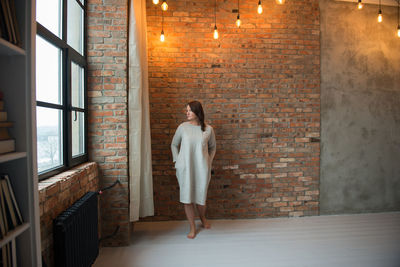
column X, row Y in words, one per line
column 12, row 156
column 14, row 233
column 17, row 67
column 9, row 49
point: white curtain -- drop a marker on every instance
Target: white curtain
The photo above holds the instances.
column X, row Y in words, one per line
column 140, row 170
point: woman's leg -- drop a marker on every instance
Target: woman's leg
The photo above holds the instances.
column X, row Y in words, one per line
column 189, row 210
column 202, row 213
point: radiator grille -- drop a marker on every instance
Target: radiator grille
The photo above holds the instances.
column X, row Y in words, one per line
column 76, row 241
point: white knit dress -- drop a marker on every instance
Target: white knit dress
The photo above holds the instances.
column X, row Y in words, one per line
column 193, row 152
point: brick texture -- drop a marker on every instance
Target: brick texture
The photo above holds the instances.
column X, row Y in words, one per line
column 260, row 87
column 59, row 193
column 108, row 117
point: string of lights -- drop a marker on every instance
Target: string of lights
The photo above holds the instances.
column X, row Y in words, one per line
column 360, row 5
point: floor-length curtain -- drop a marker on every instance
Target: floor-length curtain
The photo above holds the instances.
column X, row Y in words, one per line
column 140, row 170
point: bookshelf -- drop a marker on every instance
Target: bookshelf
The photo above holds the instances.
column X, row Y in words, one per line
column 7, row 48
column 12, row 156
column 12, row 234
column 17, row 82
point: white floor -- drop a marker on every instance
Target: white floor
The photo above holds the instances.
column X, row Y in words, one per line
column 344, row 240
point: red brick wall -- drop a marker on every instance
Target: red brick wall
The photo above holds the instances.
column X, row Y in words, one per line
column 58, row 193
column 107, row 97
column 260, row 86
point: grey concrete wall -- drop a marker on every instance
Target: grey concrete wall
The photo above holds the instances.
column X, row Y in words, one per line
column 360, row 109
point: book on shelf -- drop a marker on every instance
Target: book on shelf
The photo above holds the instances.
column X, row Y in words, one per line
column 3, row 29
column 10, row 218
column 4, row 222
column 5, row 22
column 3, row 231
column 8, row 22
column 10, row 199
column 6, row 256
column 6, row 124
column 10, row 211
column 3, row 115
column 15, row 22
column 4, row 135
column 5, row 250
column 7, row 146
column 13, row 38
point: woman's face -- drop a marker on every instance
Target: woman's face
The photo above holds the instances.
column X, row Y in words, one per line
column 190, row 115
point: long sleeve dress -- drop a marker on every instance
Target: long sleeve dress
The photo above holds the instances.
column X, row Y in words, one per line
column 193, row 152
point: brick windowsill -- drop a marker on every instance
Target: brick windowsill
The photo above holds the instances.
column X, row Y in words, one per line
column 64, row 177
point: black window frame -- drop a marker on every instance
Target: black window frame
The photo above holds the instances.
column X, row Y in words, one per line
column 69, row 55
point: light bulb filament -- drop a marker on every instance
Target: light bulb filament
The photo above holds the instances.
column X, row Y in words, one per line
column 162, row 37
column 238, row 22
column 215, row 32
column 164, row 5
column 380, row 18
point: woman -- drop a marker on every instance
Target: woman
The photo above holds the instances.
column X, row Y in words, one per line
column 193, row 150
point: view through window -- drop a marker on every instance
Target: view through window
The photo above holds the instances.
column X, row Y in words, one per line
column 60, row 85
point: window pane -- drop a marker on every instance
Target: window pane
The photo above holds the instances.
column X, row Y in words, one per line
column 48, row 72
column 77, row 85
column 48, row 13
column 75, row 26
column 49, row 138
column 78, row 133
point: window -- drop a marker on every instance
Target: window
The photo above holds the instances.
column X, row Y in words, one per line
column 61, row 114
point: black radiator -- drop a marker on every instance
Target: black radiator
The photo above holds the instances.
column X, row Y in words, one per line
column 76, row 242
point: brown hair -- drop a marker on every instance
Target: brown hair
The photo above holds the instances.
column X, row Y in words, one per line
column 196, row 108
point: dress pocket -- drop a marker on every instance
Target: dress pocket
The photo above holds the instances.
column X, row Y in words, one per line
column 180, row 170
column 178, row 162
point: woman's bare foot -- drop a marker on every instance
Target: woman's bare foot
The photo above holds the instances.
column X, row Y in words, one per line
column 192, row 234
column 189, row 210
column 205, row 223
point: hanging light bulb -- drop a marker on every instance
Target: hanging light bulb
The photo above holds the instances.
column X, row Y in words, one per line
column 215, row 32
column 216, row 35
column 164, row 5
column 380, row 18
column 380, row 13
column 398, row 19
column 259, row 8
column 162, row 37
column 238, row 22
column 280, row 2
column 156, row 2
column 360, row 4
